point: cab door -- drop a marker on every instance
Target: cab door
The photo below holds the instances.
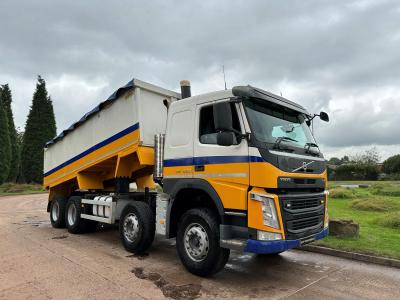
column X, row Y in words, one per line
column 225, row 168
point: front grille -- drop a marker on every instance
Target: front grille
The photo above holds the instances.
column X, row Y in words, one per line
column 304, row 181
column 303, row 214
column 303, row 203
column 301, row 224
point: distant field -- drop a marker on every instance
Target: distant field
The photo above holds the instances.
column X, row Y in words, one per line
column 376, row 209
column 7, row 189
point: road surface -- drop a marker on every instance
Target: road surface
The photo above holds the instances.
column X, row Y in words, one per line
column 40, row 262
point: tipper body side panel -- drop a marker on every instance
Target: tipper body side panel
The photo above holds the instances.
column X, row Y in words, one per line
column 115, row 141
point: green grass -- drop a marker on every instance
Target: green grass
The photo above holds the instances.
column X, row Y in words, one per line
column 391, row 220
column 342, row 193
column 7, row 189
column 376, row 204
column 378, row 215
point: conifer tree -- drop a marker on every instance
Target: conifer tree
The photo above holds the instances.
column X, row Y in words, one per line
column 6, row 100
column 5, row 146
column 40, row 127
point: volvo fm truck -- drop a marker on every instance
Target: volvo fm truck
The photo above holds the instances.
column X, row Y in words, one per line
column 233, row 169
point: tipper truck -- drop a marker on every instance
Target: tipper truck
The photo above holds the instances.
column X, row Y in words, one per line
column 233, row 169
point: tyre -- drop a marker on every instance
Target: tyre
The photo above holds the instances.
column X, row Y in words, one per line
column 74, row 222
column 57, row 212
column 197, row 242
column 137, row 227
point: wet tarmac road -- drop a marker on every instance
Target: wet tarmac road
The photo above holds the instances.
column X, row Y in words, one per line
column 40, row 262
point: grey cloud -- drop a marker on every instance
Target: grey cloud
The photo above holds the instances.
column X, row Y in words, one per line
column 323, row 51
column 361, row 124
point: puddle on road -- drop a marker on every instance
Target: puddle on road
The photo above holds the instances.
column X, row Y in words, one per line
column 140, row 256
column 177, row 292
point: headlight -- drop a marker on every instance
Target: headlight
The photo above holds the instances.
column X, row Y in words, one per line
column 268, row 236
column 270, row 216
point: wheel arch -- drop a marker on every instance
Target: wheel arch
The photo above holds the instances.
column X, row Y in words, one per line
column 62, row 190
column 199, row 191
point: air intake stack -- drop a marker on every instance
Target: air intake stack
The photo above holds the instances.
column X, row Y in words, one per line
column 185, row 89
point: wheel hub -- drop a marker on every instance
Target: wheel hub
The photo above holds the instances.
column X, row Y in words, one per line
column 55, row 211
column 71, row 214
column 196, row 242
column 131, row 227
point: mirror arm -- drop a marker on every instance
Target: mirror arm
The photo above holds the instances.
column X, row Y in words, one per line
column 312, row 118
column 241, row 135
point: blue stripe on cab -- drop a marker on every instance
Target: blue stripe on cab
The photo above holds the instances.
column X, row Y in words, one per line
column 94, row 148
column 188, row 161
column 209, row 160
column 255, row 159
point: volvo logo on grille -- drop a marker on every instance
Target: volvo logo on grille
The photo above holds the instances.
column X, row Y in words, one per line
column 304, row 166
column 286, row 179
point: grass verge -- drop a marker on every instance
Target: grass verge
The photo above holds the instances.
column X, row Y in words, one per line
column 8, row 189
column 377, row 214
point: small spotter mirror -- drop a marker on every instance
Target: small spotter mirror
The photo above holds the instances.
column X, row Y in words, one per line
column 324, row 116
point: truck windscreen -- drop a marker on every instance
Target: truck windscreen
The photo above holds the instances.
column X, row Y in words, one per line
column 272, row 123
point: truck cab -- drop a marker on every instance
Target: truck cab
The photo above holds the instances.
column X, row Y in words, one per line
column 249, row 156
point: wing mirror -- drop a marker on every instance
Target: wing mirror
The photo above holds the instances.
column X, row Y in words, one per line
column 324, row 116
column 222, row 116
column 226, row 138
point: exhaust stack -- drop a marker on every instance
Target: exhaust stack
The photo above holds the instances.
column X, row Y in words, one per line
column 185, row 89
column 158, row 174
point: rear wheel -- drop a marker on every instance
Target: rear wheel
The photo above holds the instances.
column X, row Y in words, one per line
column 57, row 212
column 197, row 242
column 137, row 227
column 73, row 220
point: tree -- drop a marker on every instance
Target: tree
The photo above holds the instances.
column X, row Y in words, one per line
column 40, row 127
column 353, row 171
column 334, row 161
column 369, row 157
column 392, row 164
column 20, row 138
column 6, row 100
column 345, row 159
column 5, row 146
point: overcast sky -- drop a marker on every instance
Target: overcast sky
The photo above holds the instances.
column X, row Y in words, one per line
column 342, row 57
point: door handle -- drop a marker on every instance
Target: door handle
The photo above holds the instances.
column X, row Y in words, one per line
column 199, row 168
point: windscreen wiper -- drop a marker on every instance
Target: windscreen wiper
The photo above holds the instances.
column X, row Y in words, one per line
column 282, row 138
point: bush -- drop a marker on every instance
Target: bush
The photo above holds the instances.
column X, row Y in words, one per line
column 391, row 220
column 373, row 204
column 341, row 193
column 356, row 172
column 392, row 177
column 392, row 164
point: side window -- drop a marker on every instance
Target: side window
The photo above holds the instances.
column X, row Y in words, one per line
column 207, row 132
column 180, row 123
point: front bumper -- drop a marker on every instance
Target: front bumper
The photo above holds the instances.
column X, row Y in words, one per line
column 265, row 247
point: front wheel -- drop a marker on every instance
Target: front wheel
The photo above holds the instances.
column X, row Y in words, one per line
column 197, row 242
